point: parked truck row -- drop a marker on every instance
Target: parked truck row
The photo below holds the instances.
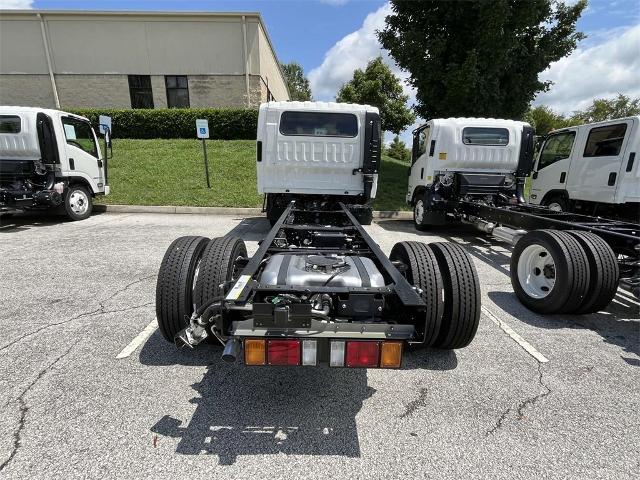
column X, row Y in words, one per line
column 320, row 290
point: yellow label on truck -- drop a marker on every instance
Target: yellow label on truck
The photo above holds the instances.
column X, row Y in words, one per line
column 235, row 292
column 442, row 156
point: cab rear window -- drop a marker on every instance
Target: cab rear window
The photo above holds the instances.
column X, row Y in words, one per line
column 10, row 124
column 605, row 141
column 319, row 124
column 485, row 136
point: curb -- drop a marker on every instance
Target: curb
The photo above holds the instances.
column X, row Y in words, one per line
column 377, row 214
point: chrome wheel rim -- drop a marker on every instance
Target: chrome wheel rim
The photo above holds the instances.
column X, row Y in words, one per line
column 536, row 271
column 79, row 202
column 418, row 211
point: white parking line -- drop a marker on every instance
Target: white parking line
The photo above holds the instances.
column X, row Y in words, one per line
column 530, row 349
column 136, row 342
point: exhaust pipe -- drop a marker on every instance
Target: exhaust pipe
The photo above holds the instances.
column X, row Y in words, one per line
column 231, row 350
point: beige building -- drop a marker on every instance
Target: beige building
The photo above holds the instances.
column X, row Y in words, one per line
column 68, row 59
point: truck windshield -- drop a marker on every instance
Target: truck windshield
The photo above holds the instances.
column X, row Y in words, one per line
column 485, row 136
column 319, row 124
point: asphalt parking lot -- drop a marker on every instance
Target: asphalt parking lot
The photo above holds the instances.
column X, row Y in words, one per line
column 73, row 296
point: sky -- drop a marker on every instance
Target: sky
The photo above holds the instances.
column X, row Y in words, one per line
column 331, row 38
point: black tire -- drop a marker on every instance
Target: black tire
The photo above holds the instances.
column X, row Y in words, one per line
column 557, row 200
column 570, row 272
column 174, row 289
column 217, row 267
column 462, row 296
column 423, row 272
column 604, row 272
column 418, row 206
column 77, row 202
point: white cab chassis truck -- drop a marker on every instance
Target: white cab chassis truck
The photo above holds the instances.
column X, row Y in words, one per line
column 319, row 290
column 591, row 169
column 318, row 152
column 50, row 159
column 474, row 169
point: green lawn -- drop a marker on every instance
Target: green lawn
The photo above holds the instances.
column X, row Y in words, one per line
column 171, row 172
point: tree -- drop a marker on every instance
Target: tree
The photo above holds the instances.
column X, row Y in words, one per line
column 607, row 109
column 296, row 81
column 378, row 86
column 398, row 150
column 544, row 119
column 479, row 58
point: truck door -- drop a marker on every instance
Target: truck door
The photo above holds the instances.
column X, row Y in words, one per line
column 553, row 163
column 418, row 160
column 595, row 170
column 83, row 153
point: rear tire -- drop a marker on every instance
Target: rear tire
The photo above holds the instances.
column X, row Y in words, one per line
column 549, row 272
column 462, row 296
column 174, row 289
column 604, row 272
column 217, row 267
column 423, row 272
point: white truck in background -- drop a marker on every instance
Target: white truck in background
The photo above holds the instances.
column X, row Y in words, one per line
column 467, row 158
column 318, row 152
column 590, row 169
column 50, row 159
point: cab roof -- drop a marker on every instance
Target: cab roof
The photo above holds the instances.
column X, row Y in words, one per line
column 319, row 107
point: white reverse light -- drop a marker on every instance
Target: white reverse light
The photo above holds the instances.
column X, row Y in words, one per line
column 309, row 352
column 336, row 357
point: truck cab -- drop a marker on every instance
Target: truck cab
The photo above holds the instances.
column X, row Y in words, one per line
column 318, row 152
column 590, row 169
column 50, row 158
column 457, row 158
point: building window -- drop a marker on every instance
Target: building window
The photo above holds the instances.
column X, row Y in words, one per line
column 177, row 91
column 140, row 91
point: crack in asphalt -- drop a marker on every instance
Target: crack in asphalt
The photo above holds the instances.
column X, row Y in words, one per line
column 97, row 311
column 414, row 405
column 24, row 408
column 522, row 405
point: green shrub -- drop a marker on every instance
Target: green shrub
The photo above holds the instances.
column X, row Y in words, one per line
column 224, row 124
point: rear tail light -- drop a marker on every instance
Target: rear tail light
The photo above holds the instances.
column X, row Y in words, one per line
column 362, row 354
column 390, row 354
column 309, row 352
column 254, row 352
column 336, row 355
column 283, row 352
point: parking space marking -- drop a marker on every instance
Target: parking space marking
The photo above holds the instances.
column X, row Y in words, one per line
column 136, row 342
column 530, row 349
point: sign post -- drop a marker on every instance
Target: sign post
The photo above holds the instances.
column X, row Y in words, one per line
column 202, row 130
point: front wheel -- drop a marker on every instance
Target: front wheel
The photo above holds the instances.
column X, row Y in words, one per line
column 78, row 203
column 556, row 204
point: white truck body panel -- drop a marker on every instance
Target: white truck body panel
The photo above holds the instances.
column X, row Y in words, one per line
column 447, row 149
column 303, row 163
column 24, row 145
column 596, row 162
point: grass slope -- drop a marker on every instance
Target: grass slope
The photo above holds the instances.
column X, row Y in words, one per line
column 171, row 172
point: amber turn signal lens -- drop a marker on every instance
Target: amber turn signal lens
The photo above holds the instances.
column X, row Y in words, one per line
column 254, row 352
column 391, row 355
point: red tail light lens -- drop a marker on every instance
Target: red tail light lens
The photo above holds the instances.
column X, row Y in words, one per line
column 283, row 352
column 362, row 354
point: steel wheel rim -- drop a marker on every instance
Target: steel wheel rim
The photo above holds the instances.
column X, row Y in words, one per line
column 555, row 207
column 79, row 202
column 536, row 271
column 418, row 211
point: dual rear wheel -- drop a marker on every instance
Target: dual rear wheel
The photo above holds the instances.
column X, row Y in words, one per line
column 564, row 272
column 448, row 283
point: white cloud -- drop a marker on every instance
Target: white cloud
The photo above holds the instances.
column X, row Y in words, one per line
column 334, row 2
column 600, row 71
column 16, row 4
